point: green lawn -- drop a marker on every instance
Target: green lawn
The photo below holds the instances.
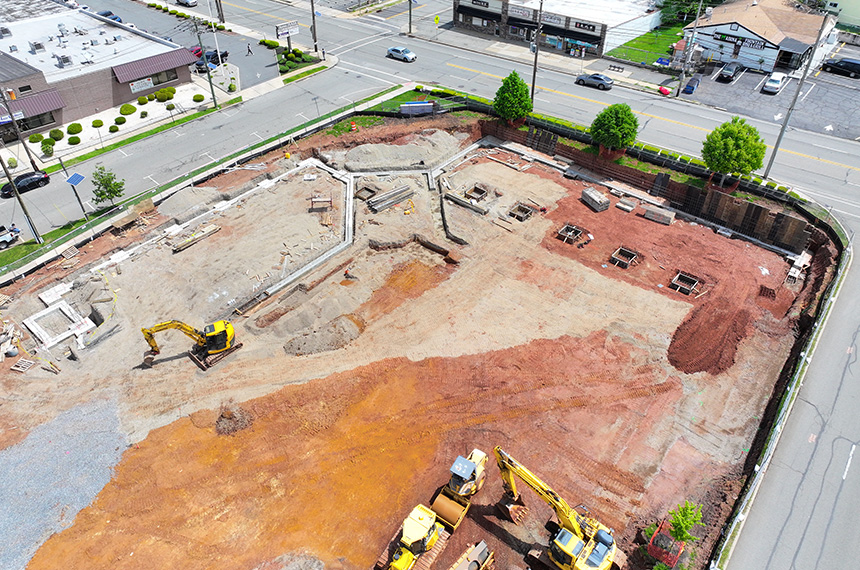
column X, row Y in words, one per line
column 649, row 46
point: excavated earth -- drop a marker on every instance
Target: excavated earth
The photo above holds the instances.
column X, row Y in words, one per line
column 356, row 390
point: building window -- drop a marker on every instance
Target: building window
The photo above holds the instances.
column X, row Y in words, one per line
column 517, row 31
column 25, row 89
column 164, row 77
column 30, row 123
column 834, row 4
column 734, row 27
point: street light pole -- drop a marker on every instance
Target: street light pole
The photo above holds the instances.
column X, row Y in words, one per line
column 314, row 25
column 206, row 61
column 17, row 132
column 537, row 49
column 796, row 95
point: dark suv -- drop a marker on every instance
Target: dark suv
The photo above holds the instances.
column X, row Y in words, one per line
column 730, row 71
column 212, row 57
column 26, row 182
column 849, row 67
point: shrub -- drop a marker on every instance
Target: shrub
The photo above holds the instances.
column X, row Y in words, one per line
column 119, row 120
column 12, row 163
column 283, row 69
column 419, row 88
column 165, row 9
column 98, row 123
column 171, row 90
column 142, row 100
column 143, row 114
column 47, row 149
column 127, row 109
column 221, row 27
column 173, row 12
column 74, row 140
column 151, row 5
column 231, row 88
column 49, row 142
column 180, row 15
column 151, row 97
column 161, row 96
column 74, row 128
column 198, row 98
column 56, row 134
column 297, row 52
column 771, row 184
column 307, row 58
column 291, row 56
column 113, row 128
column 783, row 188
column 170, row 106
column 271, row 44
column 35, row 137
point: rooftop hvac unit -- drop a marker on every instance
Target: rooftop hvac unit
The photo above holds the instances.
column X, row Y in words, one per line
column 37, row 47
column 4, row 31
column 117, row 38
column 64, row 60
column 13, row 49
column 94, row 42
column 108, row 41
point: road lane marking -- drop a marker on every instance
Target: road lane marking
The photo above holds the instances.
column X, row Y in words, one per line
column 279, row 18
column 258, row 136
column 812, row 438
column 405, row 11
column 847, row 465
column 123, row 152
column 154, row 181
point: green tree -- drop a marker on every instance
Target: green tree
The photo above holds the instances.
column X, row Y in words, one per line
column 615, row 127
column 684, row 518
column 107, row 187
column 683, row 10
column 512, row 100
column 734, row 146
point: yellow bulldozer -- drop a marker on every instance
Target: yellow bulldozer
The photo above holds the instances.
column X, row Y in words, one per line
column 580, row 542
column 417, row 544
column 214, row 343
column 454, row 499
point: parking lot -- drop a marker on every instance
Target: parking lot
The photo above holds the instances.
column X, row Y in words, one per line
column 827, row 103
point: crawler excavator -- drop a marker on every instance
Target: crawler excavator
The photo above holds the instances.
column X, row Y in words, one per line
column 581, row 542
column 454, row 499
column 213, row 343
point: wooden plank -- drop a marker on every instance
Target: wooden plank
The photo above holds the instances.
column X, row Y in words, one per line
column 196, row 237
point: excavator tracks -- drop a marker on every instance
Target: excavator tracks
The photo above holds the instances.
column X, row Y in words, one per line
column 424, row 562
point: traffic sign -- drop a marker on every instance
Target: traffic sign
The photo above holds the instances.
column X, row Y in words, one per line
column 287, row 29
column 75, row 179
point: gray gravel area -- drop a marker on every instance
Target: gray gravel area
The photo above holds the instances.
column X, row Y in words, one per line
column 55, row 472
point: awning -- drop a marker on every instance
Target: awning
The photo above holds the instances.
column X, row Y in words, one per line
column 152, row 65
column 793, row 46
column 37, row 103
column 570, row 34
column 474, row 12
column 521, row 23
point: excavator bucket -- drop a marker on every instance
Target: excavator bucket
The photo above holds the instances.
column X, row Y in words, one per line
column 148, row 359
column 513, row 509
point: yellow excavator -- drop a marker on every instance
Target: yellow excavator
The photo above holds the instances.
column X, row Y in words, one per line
column 421, row 533
column 454, row 499
column 581, row 542
column 215, row 342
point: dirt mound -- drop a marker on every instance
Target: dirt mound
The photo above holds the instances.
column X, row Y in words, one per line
column 232, row 418
column 334, row 335
column 708, row 339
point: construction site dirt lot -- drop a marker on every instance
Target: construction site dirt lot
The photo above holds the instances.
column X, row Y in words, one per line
column 355, row 391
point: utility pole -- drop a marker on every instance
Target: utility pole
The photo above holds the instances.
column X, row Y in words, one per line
column 208, row 71
column 537, row 49
column 796, row 95
column 17, row 131
column 410, row 16
column 688, row 50
column 27, row 217
column 314, row 25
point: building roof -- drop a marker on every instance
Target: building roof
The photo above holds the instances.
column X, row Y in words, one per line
column 151, row 65
column 609, row 12
column 87, row 41
column 38, row 103
column 13, row 10
column 773, row 20
column 11, row 68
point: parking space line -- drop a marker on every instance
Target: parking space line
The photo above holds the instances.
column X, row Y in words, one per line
column 808, row 92
column 258, row 136
column 123, row 152
column 154, row 181
column 757, row 87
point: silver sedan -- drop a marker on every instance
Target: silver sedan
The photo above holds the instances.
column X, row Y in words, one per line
column 595, row 80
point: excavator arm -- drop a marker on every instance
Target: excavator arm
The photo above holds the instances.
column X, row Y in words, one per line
column 189, row 331
column 510, row 469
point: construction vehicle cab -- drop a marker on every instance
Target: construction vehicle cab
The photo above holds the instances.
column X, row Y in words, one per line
column 420, row 533
column 467, row 478
column 214, row 343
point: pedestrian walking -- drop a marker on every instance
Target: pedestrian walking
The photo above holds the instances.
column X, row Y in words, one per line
column 323, row 53
column 249, row 51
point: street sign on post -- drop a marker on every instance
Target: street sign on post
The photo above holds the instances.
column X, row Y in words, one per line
column 287, row 29
column 74, row 180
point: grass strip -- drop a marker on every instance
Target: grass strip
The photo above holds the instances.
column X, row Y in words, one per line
column 303, row 74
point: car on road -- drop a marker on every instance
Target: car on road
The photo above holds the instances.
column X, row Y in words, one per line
column 775, row 83
column 25, row 183
column 212, row 57
column 402, row 53
column 598, row 80
column 187, row 3
column 844, row 66
column 730, row 71
column 693, row 84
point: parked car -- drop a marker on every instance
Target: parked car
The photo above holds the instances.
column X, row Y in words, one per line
column 598, row 80
column 212, row 57
column 26, row 182
column 187, row 3
column 196, row 51
column 105, row 13
column 115, row 18
column 730, row 71
column 775, row 82
column 844, row 66
column 693, row 84
column 402, row 53
column 8, row 237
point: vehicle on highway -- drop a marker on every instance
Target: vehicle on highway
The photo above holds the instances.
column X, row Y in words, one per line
column 730, row 71
column 693, row 84
column 26, row 182
column 775, row 83
column 402, row 53
column 212, row 57
column 844, row 66
column 187, row 3
column 598, row 80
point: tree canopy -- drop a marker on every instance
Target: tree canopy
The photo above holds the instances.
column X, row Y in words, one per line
column 683, row 10
column 684, row 518
column 512, row 100
column 615, row 127
column 732, row 147
column 107, row 187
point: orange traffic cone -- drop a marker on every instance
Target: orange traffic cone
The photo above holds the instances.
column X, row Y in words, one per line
column 352, row 126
